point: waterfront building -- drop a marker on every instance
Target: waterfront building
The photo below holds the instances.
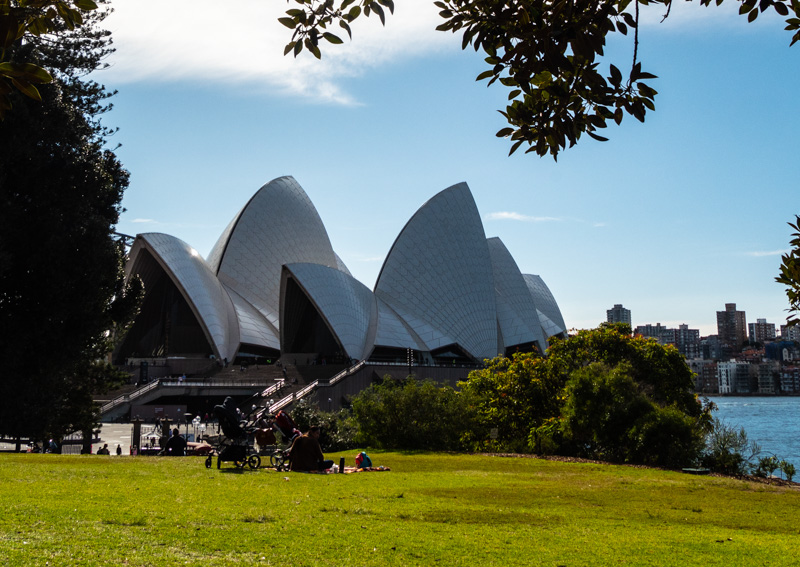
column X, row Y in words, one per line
column 706, row 380
column 733, row 377
column 790, row 379
column 769, row 377
column 618, row 314
column 731, row 329
column 761, row 331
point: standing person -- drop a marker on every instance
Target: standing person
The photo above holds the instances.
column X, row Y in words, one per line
column 104, row 450
column 306, row 454
column 176, row 446
column 119, row 450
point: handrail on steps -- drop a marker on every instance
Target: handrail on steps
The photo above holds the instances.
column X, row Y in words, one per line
column 302, row 393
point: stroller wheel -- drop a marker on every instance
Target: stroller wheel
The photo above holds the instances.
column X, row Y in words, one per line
column 276, row 461
column 254, row 461
column 208, row 462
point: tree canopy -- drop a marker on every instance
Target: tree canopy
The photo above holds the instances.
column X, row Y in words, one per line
column 600, row 394
column 32, row 21
column 547, row 53
column 61, row 271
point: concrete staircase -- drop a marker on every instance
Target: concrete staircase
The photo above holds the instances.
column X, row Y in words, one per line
column 275, row 385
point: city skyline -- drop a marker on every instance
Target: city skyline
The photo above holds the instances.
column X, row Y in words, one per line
column 672, row 218
column 714, row 330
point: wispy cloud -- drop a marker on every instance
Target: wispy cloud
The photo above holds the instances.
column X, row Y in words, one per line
column 240, row 44
column 145, row 221
column 599, row 224
column 508, row 215
column 760, row 254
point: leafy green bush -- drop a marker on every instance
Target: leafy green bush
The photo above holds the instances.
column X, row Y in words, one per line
column 767, row 466
column 514, row 396
column 787, row 469
column 411, row 414
column 602, row 405
column 608, row 416
column 600, row 393
column 668, row 438
column 729, row 451
column 337, row 429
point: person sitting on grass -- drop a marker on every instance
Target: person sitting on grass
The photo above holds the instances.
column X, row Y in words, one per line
column 306, row 454
column 176, row 446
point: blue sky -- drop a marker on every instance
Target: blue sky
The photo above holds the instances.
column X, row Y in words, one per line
column 672, row 218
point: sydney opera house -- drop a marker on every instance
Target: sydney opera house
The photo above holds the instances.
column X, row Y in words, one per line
column 273, row 286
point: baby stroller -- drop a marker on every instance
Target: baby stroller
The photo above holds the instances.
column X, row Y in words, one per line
column 235, row 447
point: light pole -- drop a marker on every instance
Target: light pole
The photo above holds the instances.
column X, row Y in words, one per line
column 195, row 425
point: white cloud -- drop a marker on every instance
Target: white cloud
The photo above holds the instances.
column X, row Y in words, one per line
column 241, row 43
column 507, row 215
column 761, row 254
column 145, row 221
column 686, row 15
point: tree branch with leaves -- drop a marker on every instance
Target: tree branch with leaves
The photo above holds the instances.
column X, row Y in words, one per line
column 20, row 22
column 790, row 274
column 546, row 52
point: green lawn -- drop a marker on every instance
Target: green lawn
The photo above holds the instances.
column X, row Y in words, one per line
column 429, row 510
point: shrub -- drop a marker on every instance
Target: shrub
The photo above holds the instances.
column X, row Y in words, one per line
column 729, row 451
column 337, row 429
column 666, row 437
column 787, row 469
column 514, row 396
column 607, row 415
column 767, row 466
column 411, row 414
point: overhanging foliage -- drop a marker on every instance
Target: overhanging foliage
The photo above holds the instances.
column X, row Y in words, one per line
column 547, row 53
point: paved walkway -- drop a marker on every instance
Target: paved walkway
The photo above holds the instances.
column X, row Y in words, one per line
column 112, row 433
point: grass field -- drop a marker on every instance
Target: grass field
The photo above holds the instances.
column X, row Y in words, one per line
column 429, row 510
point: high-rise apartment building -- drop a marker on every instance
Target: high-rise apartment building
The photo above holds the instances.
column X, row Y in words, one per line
column 650, row 331
column 618, row 314
column 790, row 333
column 761, row 331
column 686, row 340
column 731, row 328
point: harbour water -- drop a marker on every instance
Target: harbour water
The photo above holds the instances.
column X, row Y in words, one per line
column 772, row 422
